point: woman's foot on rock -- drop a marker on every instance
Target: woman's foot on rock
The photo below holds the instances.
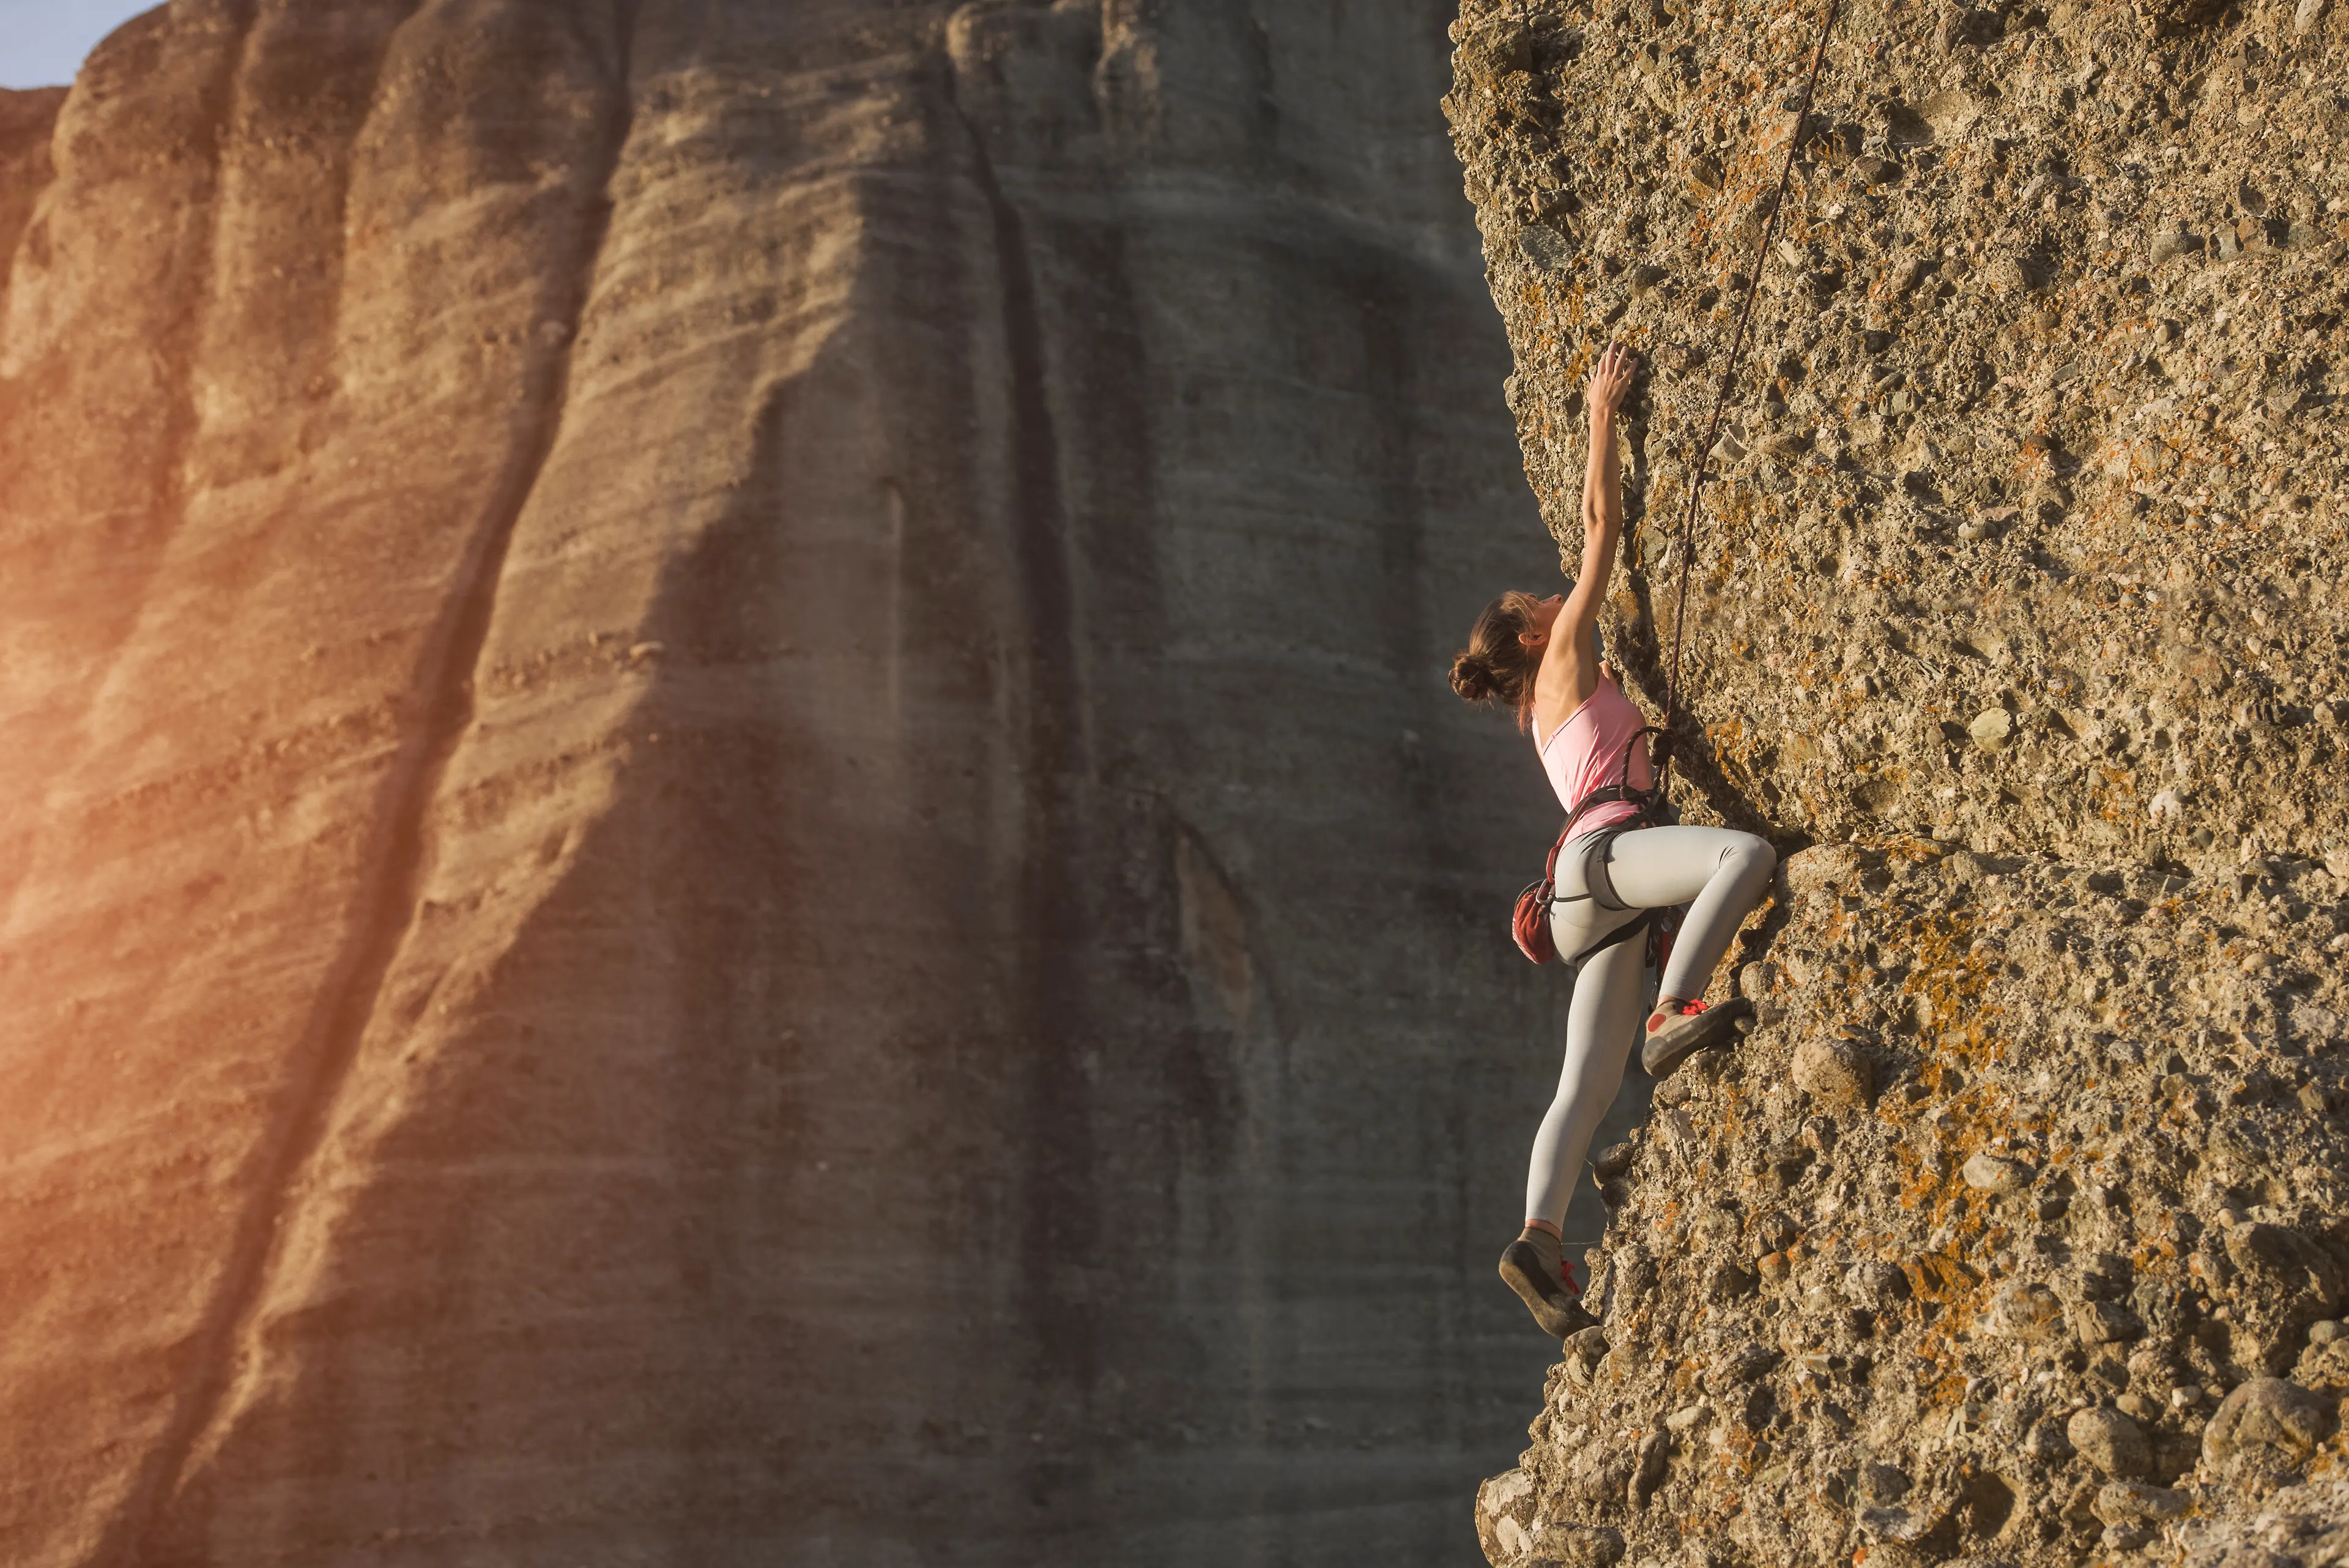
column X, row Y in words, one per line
column 1531, row 1267
column 1681, row 1029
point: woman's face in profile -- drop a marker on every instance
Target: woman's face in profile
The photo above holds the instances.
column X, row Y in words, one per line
column 1541, row 615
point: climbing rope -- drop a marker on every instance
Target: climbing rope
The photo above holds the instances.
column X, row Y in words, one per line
column 1703, row 454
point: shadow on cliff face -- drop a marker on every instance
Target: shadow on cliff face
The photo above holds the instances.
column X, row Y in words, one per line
column 942, row 986
column 993, row 1132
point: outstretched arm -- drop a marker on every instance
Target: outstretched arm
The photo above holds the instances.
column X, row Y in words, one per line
column 1570, row 673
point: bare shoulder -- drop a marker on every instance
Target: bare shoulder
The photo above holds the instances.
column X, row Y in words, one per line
column 1563, row 686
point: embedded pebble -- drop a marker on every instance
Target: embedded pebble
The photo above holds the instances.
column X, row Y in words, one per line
column 2104, row 1322
column 1992, row 1173
column 1991, row 729
column 2111, row 1441
column 1580, row 1546
column 2119, row 1502
column 2267, row 1419
column 1835, row 1072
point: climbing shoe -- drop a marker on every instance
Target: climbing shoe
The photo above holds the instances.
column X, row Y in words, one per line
column 1531, row 1268
column 1689, row 1027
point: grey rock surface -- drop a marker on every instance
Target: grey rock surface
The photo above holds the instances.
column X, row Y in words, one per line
column 731, row 833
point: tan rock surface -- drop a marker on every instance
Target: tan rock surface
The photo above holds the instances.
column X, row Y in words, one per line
column 2016, row 623
column 27, row 119
column 731, row 833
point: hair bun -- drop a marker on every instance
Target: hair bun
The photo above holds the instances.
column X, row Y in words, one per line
column 1472, row 678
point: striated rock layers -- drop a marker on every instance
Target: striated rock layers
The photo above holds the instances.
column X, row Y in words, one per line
column 728, row 827
column 2016, row 1232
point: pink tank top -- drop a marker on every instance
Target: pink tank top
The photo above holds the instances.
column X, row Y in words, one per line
column 1582, row 755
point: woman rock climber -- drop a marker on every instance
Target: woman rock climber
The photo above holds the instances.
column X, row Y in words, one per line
column 1541, row 658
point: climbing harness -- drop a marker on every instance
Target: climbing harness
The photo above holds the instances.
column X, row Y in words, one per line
column 1531, row 922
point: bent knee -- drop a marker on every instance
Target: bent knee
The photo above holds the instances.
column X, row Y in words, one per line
column 1751, row 856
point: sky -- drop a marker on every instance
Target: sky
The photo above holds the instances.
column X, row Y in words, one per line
column 42, row 42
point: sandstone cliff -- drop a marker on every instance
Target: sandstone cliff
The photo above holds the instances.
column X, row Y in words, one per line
column 2015, row 1234
column 729, row 828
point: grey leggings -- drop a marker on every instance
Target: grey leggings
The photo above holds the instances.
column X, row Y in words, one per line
column 1724, row 874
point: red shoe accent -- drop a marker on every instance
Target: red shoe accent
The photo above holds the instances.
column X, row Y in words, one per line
column 1683, row 1010
column 1565, row 1277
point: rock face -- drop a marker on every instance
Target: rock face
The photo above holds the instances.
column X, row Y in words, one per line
column 2015, row 620
column 730, row 828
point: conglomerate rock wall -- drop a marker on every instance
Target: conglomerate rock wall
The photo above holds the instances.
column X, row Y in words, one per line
column 2015, row 1233
column 728, row 827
